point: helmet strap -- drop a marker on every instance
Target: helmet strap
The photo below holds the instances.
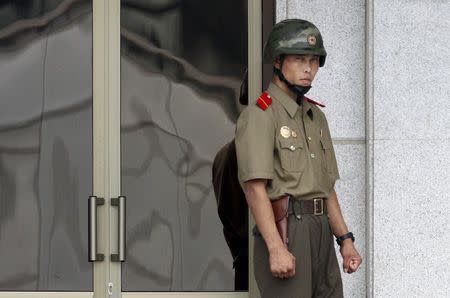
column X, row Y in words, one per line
column 300, row 91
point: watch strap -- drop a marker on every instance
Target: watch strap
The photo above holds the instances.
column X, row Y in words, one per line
column 340, row 239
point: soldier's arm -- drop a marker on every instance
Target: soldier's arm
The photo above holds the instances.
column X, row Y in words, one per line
column 351, row 257
column 282, row 262
column 259, row 204
column 255, row 134
column 335, row 217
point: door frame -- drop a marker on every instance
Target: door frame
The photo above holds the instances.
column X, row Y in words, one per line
column 254, row 90
column 103, row 101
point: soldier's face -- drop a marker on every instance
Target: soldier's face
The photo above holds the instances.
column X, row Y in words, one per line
column 300, row 69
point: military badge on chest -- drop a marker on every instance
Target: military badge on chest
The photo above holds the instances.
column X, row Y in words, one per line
column 287, row 132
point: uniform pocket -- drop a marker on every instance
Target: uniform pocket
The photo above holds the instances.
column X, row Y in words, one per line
column 328, row 155
column 292, row 154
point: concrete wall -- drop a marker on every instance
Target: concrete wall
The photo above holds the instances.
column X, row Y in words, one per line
column 386, row 85
column 411, row 144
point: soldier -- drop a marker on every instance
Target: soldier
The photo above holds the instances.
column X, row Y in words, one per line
column 285, row 155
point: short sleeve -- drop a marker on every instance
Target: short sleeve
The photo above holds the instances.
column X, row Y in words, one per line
column 331, row 156
column 255, row 134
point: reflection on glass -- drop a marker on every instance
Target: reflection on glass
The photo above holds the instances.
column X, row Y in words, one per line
column 268, row 21
column 181, row 65
column 45, row 144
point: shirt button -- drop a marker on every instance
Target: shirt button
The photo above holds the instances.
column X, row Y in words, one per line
column 313, row 155
column 292, row 148
column 309, row 139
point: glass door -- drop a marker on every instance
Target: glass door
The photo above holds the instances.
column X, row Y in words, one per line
column 181, row 65
column 46, row 148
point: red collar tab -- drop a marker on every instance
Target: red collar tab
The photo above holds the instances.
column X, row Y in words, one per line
column 264, row 101
column 315, row 102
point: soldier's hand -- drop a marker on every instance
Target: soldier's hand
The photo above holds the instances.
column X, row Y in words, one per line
column 282, row 262
column 351, row 257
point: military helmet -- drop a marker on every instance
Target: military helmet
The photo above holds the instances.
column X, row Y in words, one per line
column 294, row 36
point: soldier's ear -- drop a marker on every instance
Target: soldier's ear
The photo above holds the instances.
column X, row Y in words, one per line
column 276, row 63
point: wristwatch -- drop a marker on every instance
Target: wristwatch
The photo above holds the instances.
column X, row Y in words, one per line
column 345, row 236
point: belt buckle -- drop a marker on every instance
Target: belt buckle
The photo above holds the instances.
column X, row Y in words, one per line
column 318, row 202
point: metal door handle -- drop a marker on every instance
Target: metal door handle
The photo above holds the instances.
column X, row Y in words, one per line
column 121, row 203
column 93, row 203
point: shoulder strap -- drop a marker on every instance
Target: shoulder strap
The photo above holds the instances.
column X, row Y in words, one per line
column 314, row 102
column 264, row 101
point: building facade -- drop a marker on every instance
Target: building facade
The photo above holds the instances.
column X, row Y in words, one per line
column 390, row 134
column 112, row 112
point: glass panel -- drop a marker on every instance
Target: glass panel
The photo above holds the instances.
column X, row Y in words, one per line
column 268, row 21
column 181, row 67
column 45, row 144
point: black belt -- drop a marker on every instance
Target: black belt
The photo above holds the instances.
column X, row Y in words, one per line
column 317, row 206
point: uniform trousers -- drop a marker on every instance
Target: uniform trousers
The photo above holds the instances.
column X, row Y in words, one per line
column 317, row 272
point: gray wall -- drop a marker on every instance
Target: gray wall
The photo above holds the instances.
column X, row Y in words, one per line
column 386, row 85
column 411, row 138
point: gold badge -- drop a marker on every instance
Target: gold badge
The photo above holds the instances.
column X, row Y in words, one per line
column 312, row 40
column 285, row 132
column 294, row 134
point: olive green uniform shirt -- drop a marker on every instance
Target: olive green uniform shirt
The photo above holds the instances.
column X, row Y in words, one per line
column 288, row 144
